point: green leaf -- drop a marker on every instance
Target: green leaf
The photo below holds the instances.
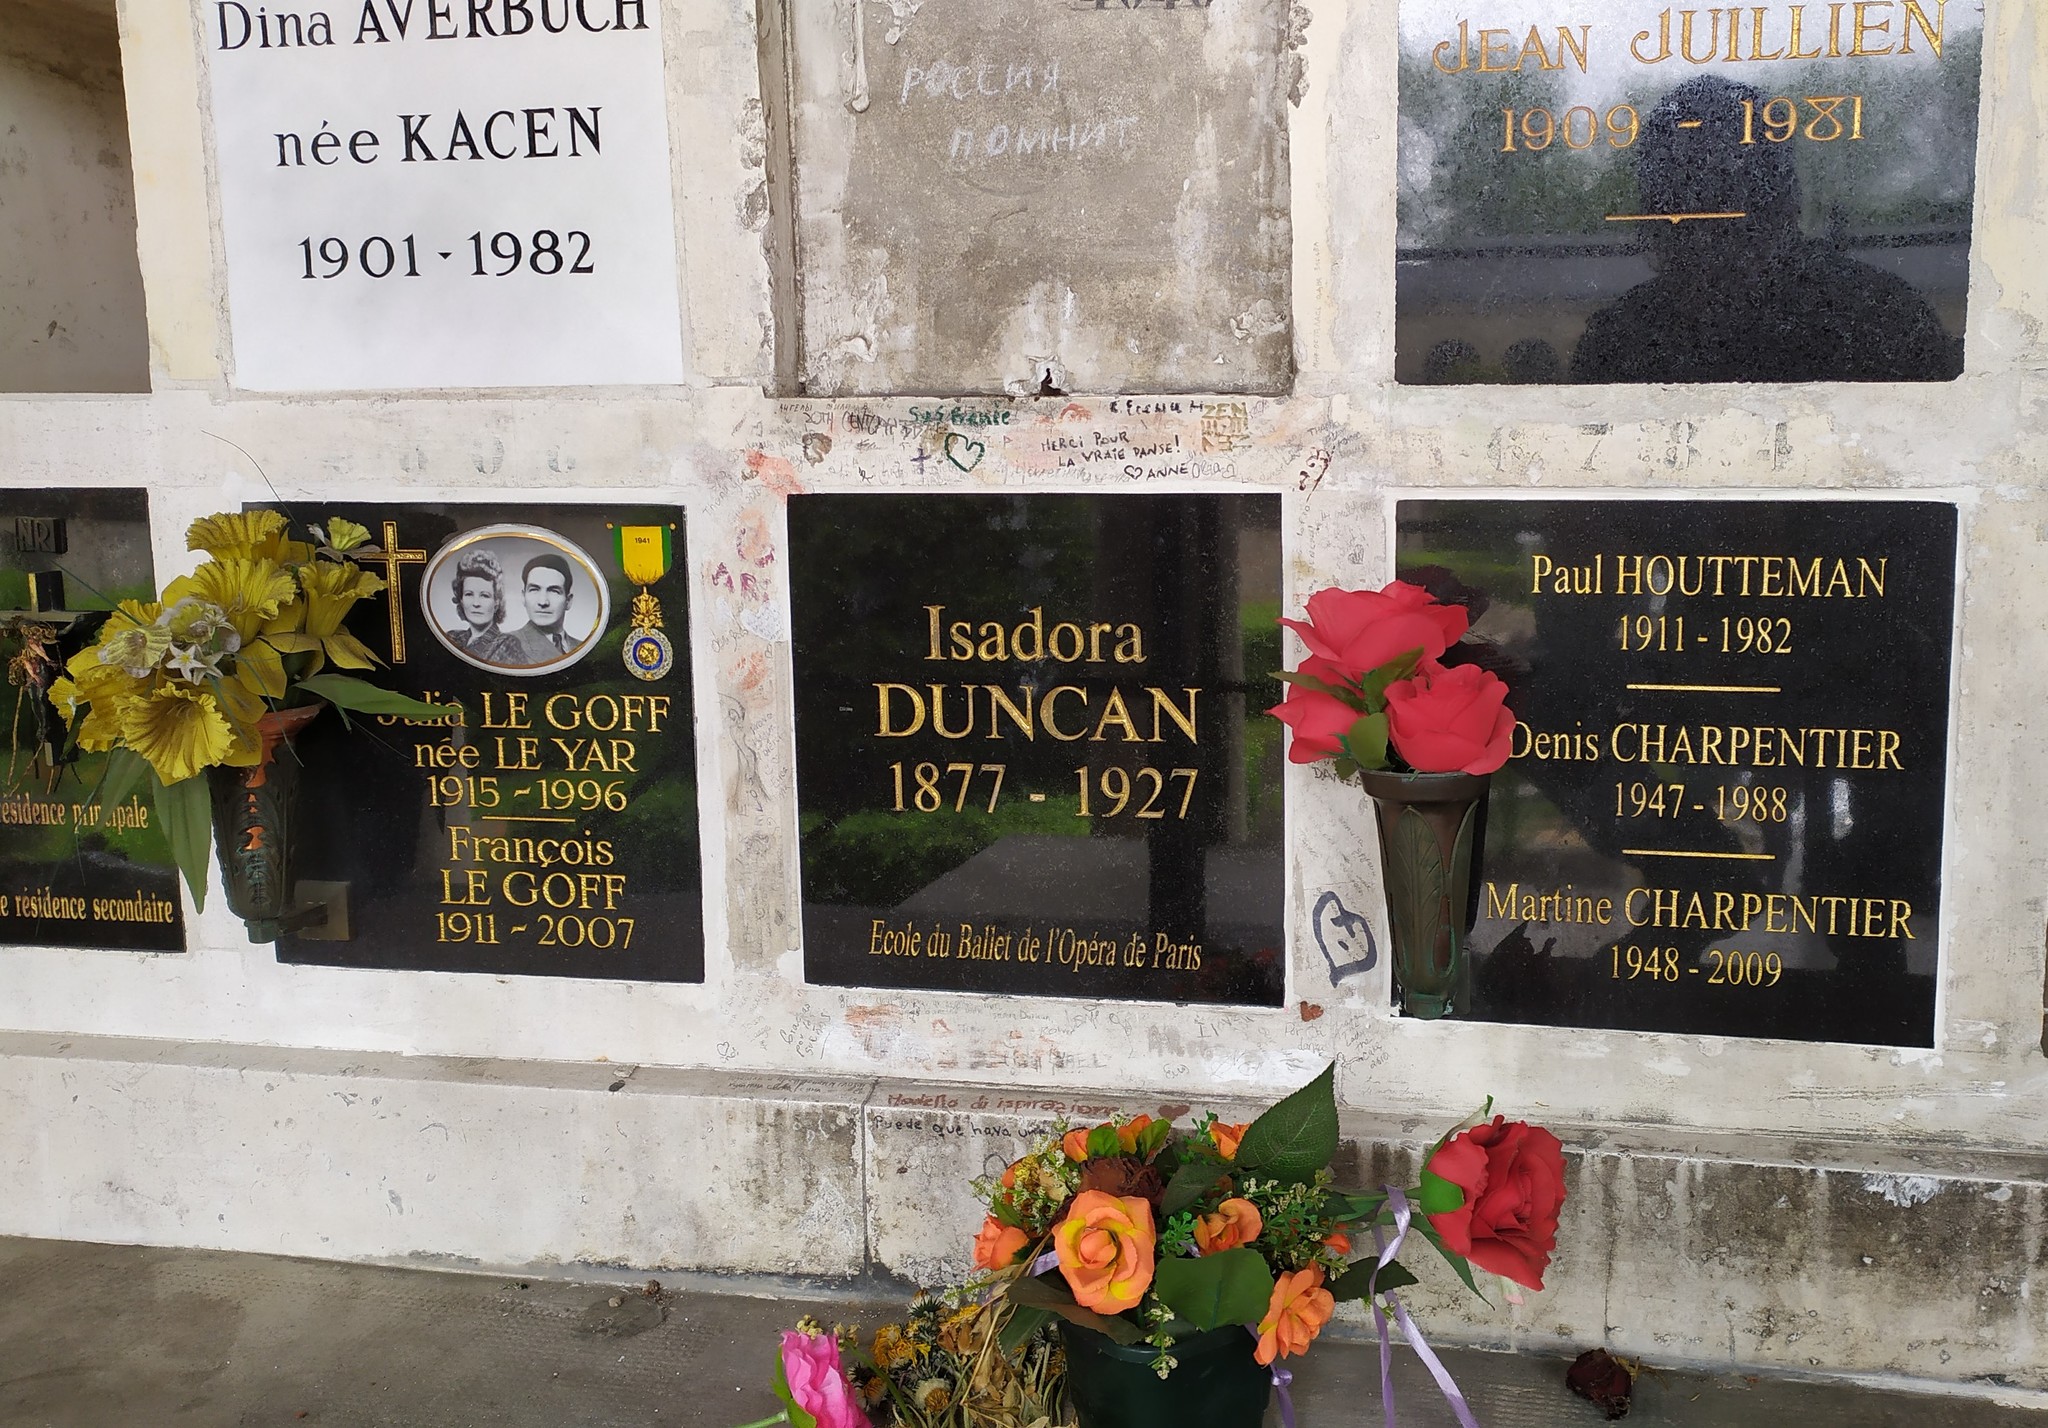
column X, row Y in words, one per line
column 1233, row 1287
column 797, row 1417
column 1103, row 1140
column 1457, row 1261
column 347, row 692
column 1375, row 681
column 1041, row 1294
column 1295, row 1138
column 1366, row 1280
column 1189, row 1184
column 1024, row 1321
column 1006, row 1212
column 1366, row 742
column 125, row 774
column 1439, row 1196
column 1308, row 681
column 186, row 810
column 1154, row 1136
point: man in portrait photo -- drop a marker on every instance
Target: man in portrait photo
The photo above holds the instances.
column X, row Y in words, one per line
column 549, row 587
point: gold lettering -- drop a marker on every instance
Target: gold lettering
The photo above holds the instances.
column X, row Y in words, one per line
column 1506, row 45
column 1798, row 15
column 1464, row 44
column 1578, row 44
column 1863, row 26
column 999, row 701
column 882, row 726
column 1686, row 18
column 1162, row 702
column 1114, row 711
column 1934, row 31
column 1663, row 38
column 1045, row 711
column 1756, row 36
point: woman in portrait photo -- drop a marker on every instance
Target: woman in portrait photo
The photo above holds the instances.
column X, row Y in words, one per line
column 479, row 589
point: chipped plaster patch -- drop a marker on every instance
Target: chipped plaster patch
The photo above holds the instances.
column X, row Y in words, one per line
column 1905, row 1191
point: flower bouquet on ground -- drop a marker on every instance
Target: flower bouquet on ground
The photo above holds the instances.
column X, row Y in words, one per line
column 1376, row 701
column 213, row 678
column 950, row 1363
column 1185, row 1264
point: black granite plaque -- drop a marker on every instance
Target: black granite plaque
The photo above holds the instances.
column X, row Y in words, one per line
column 1724, row 809
column 551, row 830
column 1624, row 191
column 72, row 873
column 1031, row 756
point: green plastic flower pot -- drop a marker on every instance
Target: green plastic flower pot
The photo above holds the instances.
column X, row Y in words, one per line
column 1217, row 1384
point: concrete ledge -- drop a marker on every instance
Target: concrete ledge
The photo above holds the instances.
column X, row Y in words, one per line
column 345, row 1156
column 1784, row 1253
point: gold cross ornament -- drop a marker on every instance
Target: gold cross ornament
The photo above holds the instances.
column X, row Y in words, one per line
column 394, row 562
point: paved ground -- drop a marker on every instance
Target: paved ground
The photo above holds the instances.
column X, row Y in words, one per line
column 94, row 1336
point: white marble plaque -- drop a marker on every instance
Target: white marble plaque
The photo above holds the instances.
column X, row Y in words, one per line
column 444, row 193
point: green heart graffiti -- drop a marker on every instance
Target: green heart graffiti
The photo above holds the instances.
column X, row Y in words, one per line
column 964, row 451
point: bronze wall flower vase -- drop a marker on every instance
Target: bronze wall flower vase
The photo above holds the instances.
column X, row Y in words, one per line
column 1429, row 825
column 253, row 813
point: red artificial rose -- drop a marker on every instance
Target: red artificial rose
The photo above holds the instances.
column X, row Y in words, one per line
column 1360, row 630
column 1450, row 720
column 1317, row 719
column 1513, row 1179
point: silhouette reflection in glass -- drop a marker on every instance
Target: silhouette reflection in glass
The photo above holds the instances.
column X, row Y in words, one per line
column 1750, row 298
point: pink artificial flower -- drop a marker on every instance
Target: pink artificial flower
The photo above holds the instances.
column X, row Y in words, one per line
column 1451, row 720
column 1360, row 630
column 817, row 1380
column 1318, row 720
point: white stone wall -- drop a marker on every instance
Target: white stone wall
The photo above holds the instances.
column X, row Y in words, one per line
column 1339, row 450
column 71, row 315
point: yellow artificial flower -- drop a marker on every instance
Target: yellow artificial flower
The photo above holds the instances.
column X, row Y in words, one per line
column 331, row 590
column 239, row 535
column 259, row 669
column 101, row 728
column 250, row 592
column 345, row 534
column 178, row 729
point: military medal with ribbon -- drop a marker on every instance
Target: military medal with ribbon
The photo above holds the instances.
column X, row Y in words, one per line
column 644, row 555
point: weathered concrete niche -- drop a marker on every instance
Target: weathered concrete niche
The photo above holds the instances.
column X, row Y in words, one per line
column 1085, row 195
column 71, row 310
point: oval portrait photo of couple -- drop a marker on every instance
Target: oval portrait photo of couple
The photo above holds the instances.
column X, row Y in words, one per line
column 517, row 599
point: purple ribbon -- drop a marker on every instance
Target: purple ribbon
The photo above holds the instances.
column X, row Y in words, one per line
column 1437, row 1371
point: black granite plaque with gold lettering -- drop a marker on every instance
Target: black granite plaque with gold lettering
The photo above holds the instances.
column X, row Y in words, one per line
column 551, row 828
column 1724, row 810
column 1031, row 756
column 1628, row 191
column 73, row 873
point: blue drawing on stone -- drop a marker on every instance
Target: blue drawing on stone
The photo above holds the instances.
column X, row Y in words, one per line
column 1342, row 933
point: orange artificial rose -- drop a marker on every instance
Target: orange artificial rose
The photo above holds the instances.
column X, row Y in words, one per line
column 998, row 1244
column 1227, row 1137
column 1299, row 1308
column 1338, row 1241
column 1236, row 1222
column 1075, row 1142
column 1105, row 1250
